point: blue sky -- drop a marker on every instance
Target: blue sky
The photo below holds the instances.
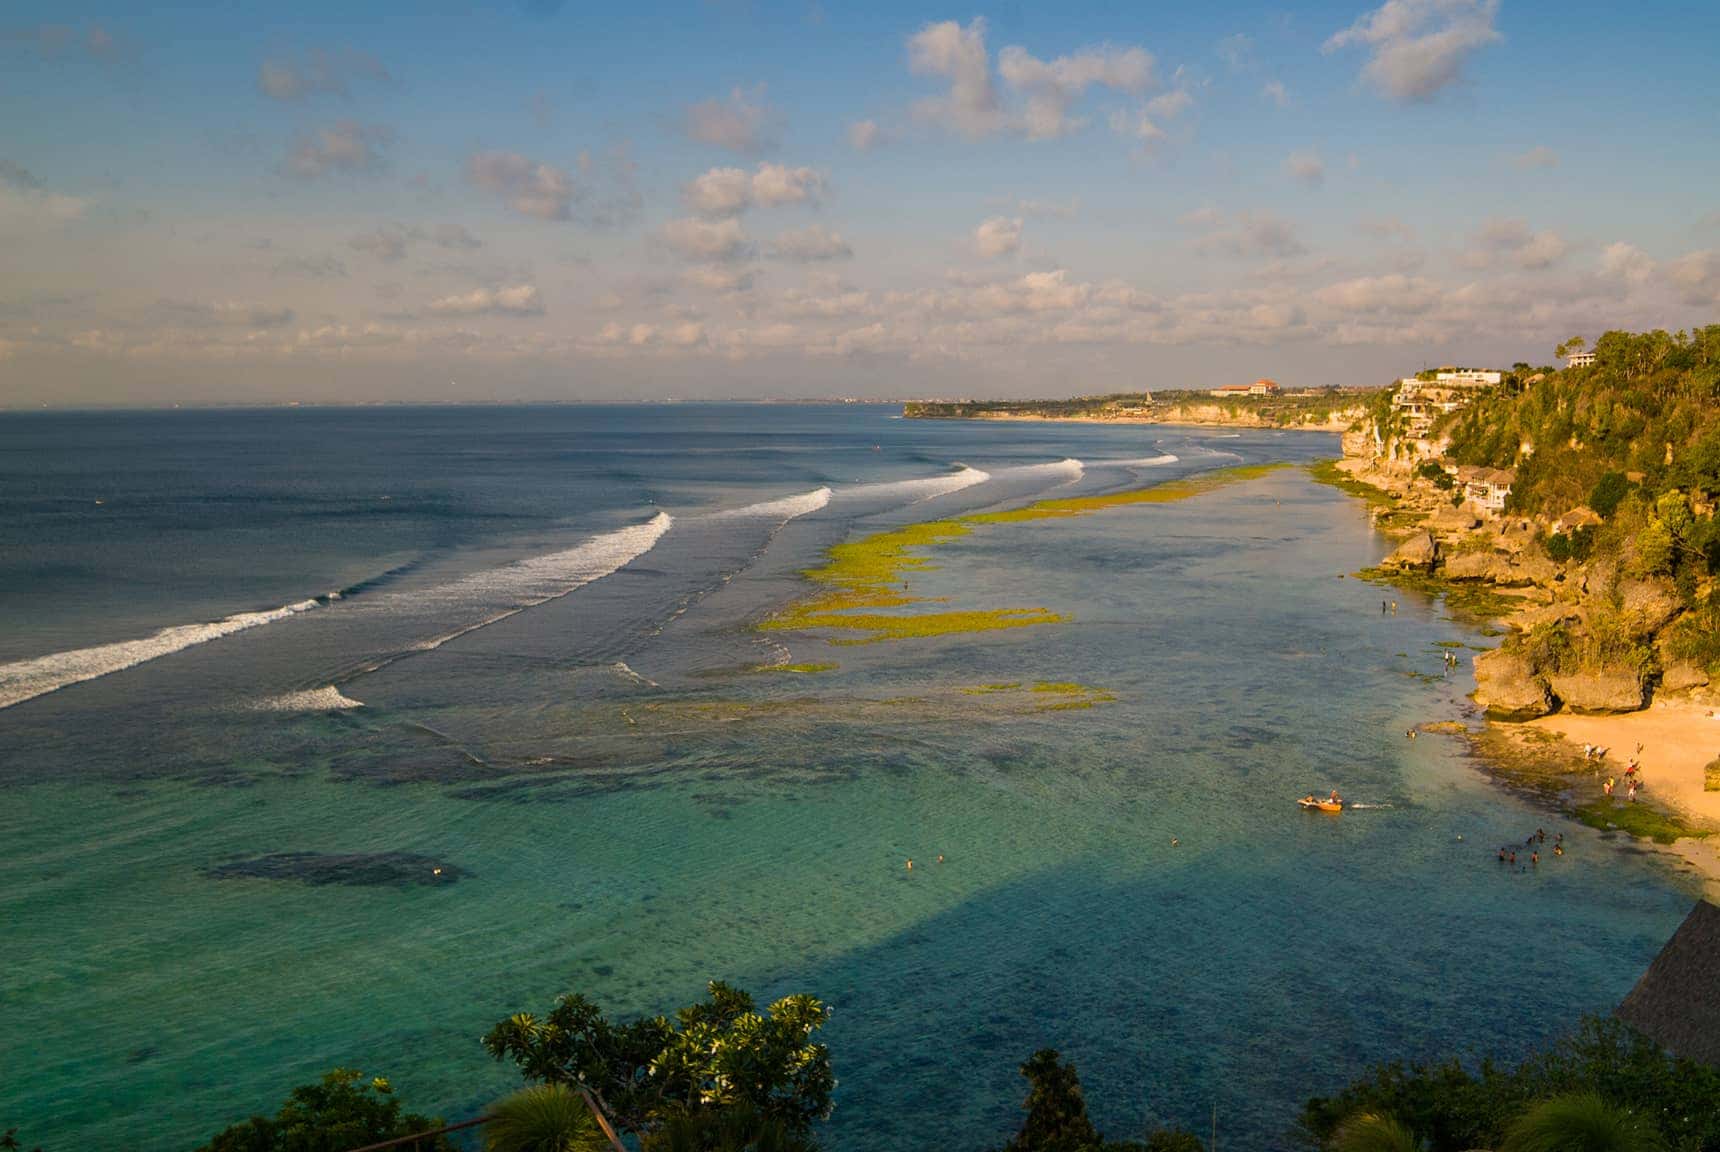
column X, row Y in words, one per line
column 211, row 204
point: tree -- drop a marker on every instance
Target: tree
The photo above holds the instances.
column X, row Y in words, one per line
column 736, row 1129
column 543, row 1118
column 1569, row 347
column 1580, row 1122
column 1608, row 493
column 717, row 1054
column 341, row 1111
column 1373, row 1132
column 1056, row 1109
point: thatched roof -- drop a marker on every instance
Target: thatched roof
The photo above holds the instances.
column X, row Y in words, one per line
column 1677, row 1002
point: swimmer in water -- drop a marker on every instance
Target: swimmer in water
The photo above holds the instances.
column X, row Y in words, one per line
column 910, row 864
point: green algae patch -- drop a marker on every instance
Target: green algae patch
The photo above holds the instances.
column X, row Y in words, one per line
column 1168, row 493
column 885, row 627
column 1644, row 821
column 1061, row 687
column 801, row 669
column 860, row 578
column 988, row 689
column 1468, row 602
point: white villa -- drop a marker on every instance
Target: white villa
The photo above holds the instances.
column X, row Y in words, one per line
column 1580, row 360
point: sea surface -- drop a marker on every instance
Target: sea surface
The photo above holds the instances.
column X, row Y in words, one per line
column 262, row 671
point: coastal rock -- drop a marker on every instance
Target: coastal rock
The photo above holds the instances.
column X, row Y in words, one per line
column 1483, row 566
column 1682, row 677
column 1539, row 570
column 1508, row 688
column 1603, row 691
column 1649, row 605
column 1420, row 552
column 1449, row 519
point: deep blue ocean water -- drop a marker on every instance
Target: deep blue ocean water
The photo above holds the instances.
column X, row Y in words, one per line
column 519, row 642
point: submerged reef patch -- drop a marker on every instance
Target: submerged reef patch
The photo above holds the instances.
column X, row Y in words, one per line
column 355, row 869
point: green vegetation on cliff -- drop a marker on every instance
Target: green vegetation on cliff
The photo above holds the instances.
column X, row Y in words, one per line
column 1634, row 438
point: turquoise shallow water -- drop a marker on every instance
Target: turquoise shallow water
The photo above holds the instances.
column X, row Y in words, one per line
column 633, row 834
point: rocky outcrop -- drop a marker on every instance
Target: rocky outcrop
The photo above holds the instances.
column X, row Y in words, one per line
column 1419, row 553
column 1648, row 605
column 1508, row 688
column 1477, row 566
column 1602, row 691
column 1449, row 519
column 1682, row 677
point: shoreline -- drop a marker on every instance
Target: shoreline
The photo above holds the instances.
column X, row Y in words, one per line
column 1334, row 427
column 1675, row 816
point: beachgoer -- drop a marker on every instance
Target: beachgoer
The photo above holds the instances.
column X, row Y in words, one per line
column 1541, row 835
column 1606, row 789
column 910, row 864
column 1394, row 607
column 1513, row 858
column 940, row 857
column 1535, row 859
column 1501, row 855
column 1558, row 849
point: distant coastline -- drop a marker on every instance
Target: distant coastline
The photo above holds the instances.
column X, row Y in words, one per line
column 1326, row 410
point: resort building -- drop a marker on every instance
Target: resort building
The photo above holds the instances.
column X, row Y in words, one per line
column 1580, row 360
column 1258, row 388
column 1486, row 489
column 1676, row 1004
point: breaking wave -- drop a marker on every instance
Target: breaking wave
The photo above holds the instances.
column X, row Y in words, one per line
column 327, row 699
column 785, row 509
column 1142, row 462
column 922, row 489
column 511, row 588
column 27, row 679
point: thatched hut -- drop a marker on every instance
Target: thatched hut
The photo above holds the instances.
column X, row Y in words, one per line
column 1677, row 1002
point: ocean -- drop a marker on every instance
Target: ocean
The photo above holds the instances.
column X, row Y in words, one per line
column 260, row 670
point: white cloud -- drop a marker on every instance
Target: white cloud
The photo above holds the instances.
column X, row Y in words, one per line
column 1419, row 47
column 388, row 243
column 1391, row 293
column 1247, row 234
column 346, row 146
column 25, row 202
column 1539, row 156
column 512, row 300
column 1275, row 91
column 1050, row 86
column 715, row 278
column 455, row 236
column 743, row 123
column 710, row 241
column 865, row 135
column 1145, row 125
column 319, row 71
column 811, row 244
column 541, row 191
column 731, row 191
column 998, row 236
column 1697, row 277
column 1306, row 168
column 959, row 55
column 1515, row 241
column 1627, row 262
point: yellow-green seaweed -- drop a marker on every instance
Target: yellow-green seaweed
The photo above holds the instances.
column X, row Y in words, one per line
column 860, row 577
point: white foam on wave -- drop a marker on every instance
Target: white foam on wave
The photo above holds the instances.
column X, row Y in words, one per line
column 1142, row 462
column 512, row 587
column 327, row 699
column 1068, row 466
column 26, row 679
column 917, row 490
column 784, row 509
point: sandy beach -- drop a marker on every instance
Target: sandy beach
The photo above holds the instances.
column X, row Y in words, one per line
column 1678, row 738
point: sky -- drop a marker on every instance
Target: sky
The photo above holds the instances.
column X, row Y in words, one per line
column 533, row 200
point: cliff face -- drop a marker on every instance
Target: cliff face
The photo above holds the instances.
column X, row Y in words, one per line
column 1235, row 414
column 1585, row 636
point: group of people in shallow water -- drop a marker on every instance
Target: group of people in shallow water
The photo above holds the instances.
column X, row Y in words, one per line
column 1508, row 854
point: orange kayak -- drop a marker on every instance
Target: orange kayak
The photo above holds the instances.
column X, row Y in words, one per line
column 1321, row 805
